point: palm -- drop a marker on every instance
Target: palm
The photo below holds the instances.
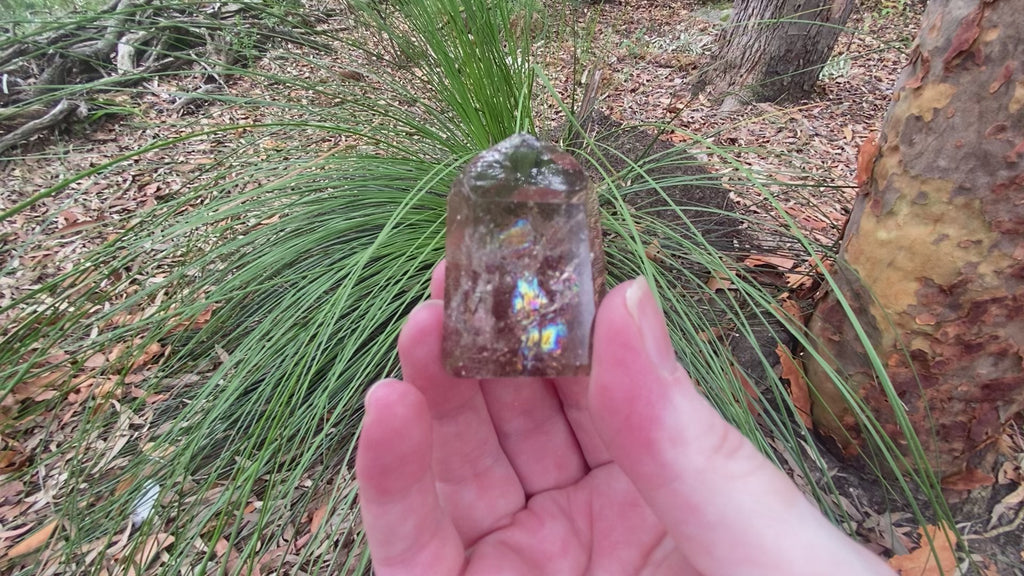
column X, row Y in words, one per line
column 522, row 474
column 597, row 525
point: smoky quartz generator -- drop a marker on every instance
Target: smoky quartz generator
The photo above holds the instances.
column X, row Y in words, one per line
column 524, row 264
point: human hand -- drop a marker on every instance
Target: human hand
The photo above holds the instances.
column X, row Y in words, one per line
column 629, row 471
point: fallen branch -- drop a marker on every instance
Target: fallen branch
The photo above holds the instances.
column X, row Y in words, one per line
column 54, row 71
column 55, row 116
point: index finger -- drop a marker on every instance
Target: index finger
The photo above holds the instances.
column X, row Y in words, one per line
column 437, row 280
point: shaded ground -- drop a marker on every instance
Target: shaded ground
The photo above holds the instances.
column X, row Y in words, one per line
column 649, row 49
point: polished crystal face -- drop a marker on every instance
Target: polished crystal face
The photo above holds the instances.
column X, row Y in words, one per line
column 520, row 290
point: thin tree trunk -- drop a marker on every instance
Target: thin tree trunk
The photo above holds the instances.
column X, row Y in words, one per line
column 932, row 261
column 774, row 50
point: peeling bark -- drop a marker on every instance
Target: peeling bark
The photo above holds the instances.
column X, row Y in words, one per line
column 932, row 260
column 773, row 50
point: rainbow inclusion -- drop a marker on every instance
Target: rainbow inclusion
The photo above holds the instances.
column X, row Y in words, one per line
column 529, row 305
column 528, row 297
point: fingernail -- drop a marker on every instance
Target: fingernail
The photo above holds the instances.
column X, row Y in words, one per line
column 650, row 322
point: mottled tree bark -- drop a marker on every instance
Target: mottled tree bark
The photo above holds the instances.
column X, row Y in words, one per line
column 932, row 260
column 773, row 50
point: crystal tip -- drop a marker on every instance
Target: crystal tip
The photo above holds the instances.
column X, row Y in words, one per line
column 523, row 160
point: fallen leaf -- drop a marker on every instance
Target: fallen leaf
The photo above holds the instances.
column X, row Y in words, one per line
column 222, row 548
column 768, row 260
column 989, row 568
column 198, row 322
column 719, row 280
column 798, row 390
column 653, row 252
column 12, row 461
column 96, row 360
column 715, row 333
column 1005, row 505
column 969, row 479
column 36, row 388
column 33, row 541
column 749, row 389
column 148, row 354
column 1010, row 472
column 886, row 530
column 15, row 533
column 147, row 552
column 318, row 518
column 799, row 280
column 922, row 561
column 792, row 307
column 352, row 75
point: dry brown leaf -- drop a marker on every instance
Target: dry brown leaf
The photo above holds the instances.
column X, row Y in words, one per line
column 989, row 568
column 969, row 479
column 653, row 252
column 9, row 489
column 224, row 548
column 1005, row 505
column 1010, row 472
column 922, row 562
column 6, row 534
column 33, row 541
column 715, row 333
column 202, row 319
column 799, row 280
column 749, row 389
column 36, row 388
column 798, row 390
column 353, row 75
column 792, row 308
column 12, row 460
column 768, row 260
column 148, row 354
column 97, row 360
column 145, row 555
column 318, row 518
column 719, row 280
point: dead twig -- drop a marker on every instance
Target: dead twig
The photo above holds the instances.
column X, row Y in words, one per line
column 57, row 115
column 1010, row 527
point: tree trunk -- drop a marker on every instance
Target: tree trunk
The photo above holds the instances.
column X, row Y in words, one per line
column 774, row 50
column 932, row 261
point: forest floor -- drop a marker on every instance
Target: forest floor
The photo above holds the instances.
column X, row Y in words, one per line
column 650, row 49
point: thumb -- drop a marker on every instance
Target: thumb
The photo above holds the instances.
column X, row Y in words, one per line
column 727, row 508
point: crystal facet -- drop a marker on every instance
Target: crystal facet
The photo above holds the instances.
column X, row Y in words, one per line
column 525, row 266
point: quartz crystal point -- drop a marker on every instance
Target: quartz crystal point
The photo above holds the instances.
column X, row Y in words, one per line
column 525, row 265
